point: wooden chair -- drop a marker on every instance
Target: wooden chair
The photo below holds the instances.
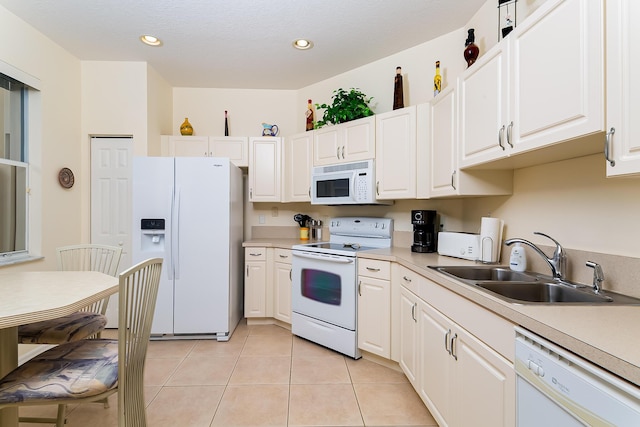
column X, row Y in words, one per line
column 91, row 320
column 91, row 370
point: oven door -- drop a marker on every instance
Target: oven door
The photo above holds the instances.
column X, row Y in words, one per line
column 324, row 287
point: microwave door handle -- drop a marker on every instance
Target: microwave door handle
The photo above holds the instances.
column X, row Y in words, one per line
column 354, row 179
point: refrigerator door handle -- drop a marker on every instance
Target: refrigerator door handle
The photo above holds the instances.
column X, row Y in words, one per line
column 169, row 250
column 176, row 239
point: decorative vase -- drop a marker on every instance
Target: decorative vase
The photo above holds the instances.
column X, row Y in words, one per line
column 185, row 128
column 471, row 51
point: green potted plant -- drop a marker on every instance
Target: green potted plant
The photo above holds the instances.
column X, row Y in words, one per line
column 346, row 106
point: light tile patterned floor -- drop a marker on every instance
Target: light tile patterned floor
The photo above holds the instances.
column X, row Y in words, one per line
column 264, row 376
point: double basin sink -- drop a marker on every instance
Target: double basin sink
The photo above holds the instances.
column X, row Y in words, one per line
column 532, row 288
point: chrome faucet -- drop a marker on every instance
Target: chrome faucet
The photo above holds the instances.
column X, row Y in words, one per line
column 558, row 262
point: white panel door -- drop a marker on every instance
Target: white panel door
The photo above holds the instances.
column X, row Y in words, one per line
column 111, row 202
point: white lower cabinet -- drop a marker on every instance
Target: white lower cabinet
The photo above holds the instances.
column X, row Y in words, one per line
column 374, row 307
column 255, row 282
column 282, row 285
column 461, row 379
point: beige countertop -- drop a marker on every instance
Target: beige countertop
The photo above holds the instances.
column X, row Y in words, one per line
column 601, row 334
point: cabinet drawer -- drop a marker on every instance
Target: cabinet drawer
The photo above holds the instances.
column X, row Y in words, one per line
column 255, row 254
column 410, row 279
column 282, row 255
column 374, row 268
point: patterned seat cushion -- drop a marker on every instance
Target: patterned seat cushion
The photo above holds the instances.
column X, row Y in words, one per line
column 79, row 369
column 74, row 327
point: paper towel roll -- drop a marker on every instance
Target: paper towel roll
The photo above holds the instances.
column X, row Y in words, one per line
column 490, row 239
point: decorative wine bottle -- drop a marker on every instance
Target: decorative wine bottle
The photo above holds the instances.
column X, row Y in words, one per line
column 398, row 94
column 226, row 124
column 471, row 51
column 309, row 116
column 437, row 80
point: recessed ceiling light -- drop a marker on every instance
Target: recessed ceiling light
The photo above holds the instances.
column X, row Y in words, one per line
column 150, row 40
column 302, row 44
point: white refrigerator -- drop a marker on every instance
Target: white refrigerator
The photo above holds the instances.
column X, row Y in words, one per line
column 189, row 211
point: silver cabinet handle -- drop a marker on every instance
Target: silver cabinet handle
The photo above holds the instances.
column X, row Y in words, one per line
column 501, row 137
column 454, row 339
column 255, row 254
column 360, row 288
column 447, row 341
column 453, row 182
column 373, row 269
column 247, row 271
column 290, row 278
column 284, row 256
column 413, row 312
column 377, row 188
column 338, row 152
column 343, row 151
column 607, row 146
column 509, row 134
column 406, row 279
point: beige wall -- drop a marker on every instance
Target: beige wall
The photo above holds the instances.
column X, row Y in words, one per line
column 55, row 210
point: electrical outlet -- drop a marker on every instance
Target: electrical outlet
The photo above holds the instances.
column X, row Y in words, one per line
column 274, row 211
column 261, row 219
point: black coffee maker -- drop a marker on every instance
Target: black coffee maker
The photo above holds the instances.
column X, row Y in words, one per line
column 425, row 231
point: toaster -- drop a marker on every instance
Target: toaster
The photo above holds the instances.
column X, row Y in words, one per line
column 459, row 245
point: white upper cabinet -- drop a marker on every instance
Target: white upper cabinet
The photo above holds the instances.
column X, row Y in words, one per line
column 297, row 161
column 396, row 154
column 265, row 157
column 446, row 179
column 346, row 142
column 234, row 148
column 539, row 87
column 623, row 92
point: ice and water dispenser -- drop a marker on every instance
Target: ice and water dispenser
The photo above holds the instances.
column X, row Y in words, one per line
column 152, row 234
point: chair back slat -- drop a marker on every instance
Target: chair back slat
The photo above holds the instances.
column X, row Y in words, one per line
column 137, row 301
column 90, row 257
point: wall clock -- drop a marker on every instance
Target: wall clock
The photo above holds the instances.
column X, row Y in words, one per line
column 65, row 178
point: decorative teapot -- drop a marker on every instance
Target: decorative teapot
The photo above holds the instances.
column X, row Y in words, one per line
column 269, row 130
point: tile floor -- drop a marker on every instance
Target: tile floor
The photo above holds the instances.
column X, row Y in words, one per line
column 263, row 376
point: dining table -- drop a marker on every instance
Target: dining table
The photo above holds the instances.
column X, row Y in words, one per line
column 33, row 296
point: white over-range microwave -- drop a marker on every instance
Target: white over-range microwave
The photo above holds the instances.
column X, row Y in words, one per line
column 345, row 184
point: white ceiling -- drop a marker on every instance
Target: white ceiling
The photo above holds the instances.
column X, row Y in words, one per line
column 243, row 43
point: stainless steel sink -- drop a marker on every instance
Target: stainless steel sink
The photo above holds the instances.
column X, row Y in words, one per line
column 540, row 292
column 503, row 274
column 532, row 288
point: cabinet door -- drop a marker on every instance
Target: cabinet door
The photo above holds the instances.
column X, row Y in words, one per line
column 557, row 86
column 623, row 88
column 297, row 161
column 442, row 140
column 483, row 95
column 255, row 284
column 396, row 151
column 359, row 139
column 264, row 169
column 374, row 316
column 234, row 148
column 327, row 145
column 485, row 384
column 188, row 146
column 435, row 384
column 282, row 297
column 408, row 335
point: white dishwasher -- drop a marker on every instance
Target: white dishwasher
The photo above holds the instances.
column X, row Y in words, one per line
column 558, row 388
